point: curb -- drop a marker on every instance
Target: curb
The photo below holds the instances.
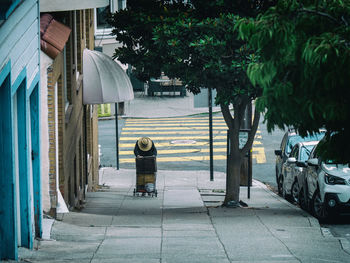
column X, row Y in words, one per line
column 313, row 221
column 345, row 244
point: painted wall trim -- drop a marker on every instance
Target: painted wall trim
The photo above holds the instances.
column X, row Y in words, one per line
column 18, row 81
column 5, row 71
column 35, row 82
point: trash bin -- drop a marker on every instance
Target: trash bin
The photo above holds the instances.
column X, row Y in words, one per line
column 146, row 175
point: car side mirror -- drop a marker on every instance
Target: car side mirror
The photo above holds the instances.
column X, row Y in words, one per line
column 291, row 160
column 302, row 164
column 278, row 152
column 313, row 162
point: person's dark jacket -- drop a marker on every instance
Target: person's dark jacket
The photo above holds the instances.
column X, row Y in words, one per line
column 150, row 152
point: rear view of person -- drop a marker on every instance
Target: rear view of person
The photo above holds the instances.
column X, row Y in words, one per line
column 146, row 167
column 145, row 147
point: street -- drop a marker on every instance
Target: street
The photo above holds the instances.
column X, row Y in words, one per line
column 182, row 144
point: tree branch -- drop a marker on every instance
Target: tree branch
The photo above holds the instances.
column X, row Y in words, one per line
column 252, row 133
column 304, row 10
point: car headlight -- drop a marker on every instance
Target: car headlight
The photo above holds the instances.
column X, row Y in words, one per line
column 332, row 180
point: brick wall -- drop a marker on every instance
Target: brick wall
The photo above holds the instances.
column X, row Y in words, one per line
column 77, row 133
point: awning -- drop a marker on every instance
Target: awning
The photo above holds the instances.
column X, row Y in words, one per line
column 67, row 5
column 53, row 35
column 104, row 80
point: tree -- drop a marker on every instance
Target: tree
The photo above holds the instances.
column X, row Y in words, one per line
column 196, row 41
column 303, row 68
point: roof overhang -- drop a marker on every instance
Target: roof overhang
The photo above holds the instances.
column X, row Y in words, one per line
column 67, row 5
column 104, row 80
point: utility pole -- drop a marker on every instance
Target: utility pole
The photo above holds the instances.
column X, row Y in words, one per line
column 116, row 134
column 210, row 102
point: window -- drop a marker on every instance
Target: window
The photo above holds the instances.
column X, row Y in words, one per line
column 101, row 17
column 295, row 152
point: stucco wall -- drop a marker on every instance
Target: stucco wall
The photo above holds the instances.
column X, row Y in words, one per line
column 45, row 62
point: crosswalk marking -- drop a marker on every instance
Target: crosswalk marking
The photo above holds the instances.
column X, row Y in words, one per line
column 170, row 132
column 174, row 124
column 178, row 151
column 170, row 136
column 259, row 154
column 180, row 118
column 174, row 128
column 168, row 144
column 179, row 159
column 176, row 121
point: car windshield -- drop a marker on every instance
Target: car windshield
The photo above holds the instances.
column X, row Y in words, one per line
column 334, row 163
column 297, row 138
column 305, row 152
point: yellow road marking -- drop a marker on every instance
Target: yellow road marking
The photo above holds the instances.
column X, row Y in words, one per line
column 160, row 152
column 185, row 121
column 259, row 154
column 172, row 124
column 182, row 118
column 171, row 132
column 174, row 128
column 178, row 159
column 189, row 158
column 173, row 138
column 168, row 144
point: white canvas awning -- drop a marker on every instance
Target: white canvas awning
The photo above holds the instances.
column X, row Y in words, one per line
column 67, row 5
column 104, row 80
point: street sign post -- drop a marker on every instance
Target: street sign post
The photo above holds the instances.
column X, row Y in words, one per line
column 243, row 138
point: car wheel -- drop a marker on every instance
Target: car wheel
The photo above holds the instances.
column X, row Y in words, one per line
column 280, row 185
column 318, row 207
column 301, row 199
column 295, row 191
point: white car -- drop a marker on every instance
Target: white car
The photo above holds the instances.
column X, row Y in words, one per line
column 290, row 170
column 327, row 186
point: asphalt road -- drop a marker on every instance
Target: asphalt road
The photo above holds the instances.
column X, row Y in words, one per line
column 263, row 170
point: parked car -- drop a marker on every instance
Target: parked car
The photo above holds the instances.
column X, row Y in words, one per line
column 327, row 186
column 291, row 172
column 290, row 138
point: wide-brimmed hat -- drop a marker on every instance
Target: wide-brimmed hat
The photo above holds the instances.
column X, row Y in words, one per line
column 144, row 143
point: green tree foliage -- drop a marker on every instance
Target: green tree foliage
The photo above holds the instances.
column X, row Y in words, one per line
column 196, row 41
column 303, row 68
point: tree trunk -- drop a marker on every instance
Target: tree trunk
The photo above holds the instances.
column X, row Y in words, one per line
column 236, row 155
column 233, row 179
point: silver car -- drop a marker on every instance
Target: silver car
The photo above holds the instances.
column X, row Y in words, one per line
column 327, row 186
column 290, row 138
column 290, row 171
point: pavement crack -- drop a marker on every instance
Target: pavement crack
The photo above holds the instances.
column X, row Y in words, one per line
column 276, row 237
column 217, row 235
column 98, row 247
column 162, row 230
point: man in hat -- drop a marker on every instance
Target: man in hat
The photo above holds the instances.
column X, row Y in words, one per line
column 145, row 147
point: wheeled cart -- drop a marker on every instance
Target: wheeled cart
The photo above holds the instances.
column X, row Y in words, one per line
column 146, row 175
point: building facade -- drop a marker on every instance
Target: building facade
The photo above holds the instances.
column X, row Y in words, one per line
column 20, row 195
column 69, row 131
column 106, row 43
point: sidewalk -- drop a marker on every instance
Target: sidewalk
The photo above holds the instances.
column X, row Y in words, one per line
column 185, row 223
column 143, row 106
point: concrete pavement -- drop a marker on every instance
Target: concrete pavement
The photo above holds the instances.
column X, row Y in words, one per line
column 143, row 106
column 185, row 223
